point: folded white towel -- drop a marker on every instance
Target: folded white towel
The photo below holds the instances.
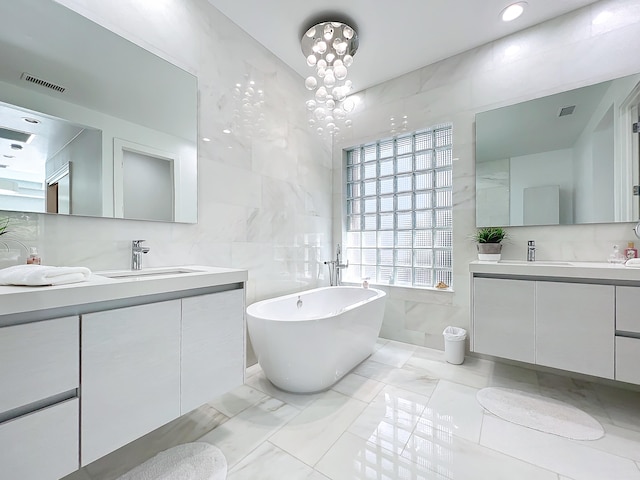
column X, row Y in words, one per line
column 39, row 275
column 633, row 262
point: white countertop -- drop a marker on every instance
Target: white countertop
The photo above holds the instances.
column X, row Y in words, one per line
column 100, row 288
column 574, row 270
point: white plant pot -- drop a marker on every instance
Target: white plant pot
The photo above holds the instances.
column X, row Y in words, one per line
column 489, row 252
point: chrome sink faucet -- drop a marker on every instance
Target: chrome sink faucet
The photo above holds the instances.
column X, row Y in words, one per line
column 137, row 249
column 531, row 251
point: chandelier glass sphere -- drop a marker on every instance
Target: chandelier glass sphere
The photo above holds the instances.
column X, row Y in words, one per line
column 329, row 48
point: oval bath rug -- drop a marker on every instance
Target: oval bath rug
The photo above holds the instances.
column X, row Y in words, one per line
column 540, row 413
column 190, row 461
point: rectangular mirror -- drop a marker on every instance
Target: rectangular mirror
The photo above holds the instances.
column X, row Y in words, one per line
column 85, row 115
column 569, row 158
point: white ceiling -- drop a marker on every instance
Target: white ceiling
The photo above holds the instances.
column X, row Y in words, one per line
column 395, row 37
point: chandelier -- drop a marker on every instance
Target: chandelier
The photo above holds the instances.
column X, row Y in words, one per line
column 329, row 48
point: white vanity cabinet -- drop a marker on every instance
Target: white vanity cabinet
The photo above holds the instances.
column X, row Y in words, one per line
column 130, row 374
column 42, row 445
column 89, row 367
column 212, row 336
column 585, row 315
column 628, row 334
column 39, row 360
column 575, row 327
column 39, row 410
column 503, row 313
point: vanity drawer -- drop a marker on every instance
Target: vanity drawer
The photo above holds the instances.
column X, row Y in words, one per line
column 628, row 309
column 42, row 445
column 628, row 359
column 38, row 360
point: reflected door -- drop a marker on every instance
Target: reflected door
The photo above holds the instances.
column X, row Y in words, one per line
column 59, row 191
column 147, row 186
column 635, row 154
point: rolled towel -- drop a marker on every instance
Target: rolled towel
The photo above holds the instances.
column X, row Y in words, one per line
column 40, row 275
column 633, row 262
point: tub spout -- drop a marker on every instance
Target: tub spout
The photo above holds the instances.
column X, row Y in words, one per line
column 339, row 265
column 335, row 268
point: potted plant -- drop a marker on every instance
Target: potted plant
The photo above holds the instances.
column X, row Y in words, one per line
column 488, row 241
column 8, row 256
column 4, row 223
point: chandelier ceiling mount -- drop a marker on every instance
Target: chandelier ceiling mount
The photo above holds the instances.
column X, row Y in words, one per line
column 329, row 48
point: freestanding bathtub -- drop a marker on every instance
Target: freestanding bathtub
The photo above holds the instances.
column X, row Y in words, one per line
column 305, row 342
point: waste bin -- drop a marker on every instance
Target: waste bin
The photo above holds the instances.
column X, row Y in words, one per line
column 454, row 344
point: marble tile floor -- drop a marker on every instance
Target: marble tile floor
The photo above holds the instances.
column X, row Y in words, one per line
column 404, row 413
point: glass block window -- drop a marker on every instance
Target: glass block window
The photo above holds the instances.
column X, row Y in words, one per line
column 399, row 209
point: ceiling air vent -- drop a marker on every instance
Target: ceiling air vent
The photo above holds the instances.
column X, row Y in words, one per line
column 27, row 77
column 14, row 135
column 564, row 111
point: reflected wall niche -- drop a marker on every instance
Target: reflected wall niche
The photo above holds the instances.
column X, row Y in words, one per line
column 81, row 100
column 565, row 159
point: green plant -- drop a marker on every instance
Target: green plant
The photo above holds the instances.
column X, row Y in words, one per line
column 490, row 235
column 4, row 223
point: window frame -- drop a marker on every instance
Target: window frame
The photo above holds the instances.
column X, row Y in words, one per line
column 381, row 201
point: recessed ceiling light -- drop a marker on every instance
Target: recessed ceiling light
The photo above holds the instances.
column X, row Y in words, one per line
column 512, row 11
column 226, row 130
column 31, row 120
column 205, row 139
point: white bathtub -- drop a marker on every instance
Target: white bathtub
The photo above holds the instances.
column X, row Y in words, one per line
column 309, row 348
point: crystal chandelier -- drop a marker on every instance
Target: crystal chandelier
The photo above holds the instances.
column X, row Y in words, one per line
column 329, row 48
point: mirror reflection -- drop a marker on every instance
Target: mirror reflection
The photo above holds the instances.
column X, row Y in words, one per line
column 568, row 158
column 91, row 124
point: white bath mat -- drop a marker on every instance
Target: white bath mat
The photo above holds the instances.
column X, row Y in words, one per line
column 191, row 461
column 540, row 413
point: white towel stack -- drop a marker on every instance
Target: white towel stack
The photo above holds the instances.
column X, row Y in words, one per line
column 40, row 275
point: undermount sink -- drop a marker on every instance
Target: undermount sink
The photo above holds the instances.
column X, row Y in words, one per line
column 548, row 263
column 148, row 273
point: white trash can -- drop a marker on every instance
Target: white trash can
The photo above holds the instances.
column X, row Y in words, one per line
column 454, row 344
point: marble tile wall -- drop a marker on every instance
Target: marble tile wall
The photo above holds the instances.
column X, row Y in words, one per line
column 264, row 193
column 583, row 47
column 271, row 202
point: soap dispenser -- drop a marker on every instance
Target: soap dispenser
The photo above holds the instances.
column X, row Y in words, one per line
column 616, row 256
column 630, row 251
column 33, row 258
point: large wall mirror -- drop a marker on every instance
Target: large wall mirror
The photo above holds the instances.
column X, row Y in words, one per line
column 90, row 123
column 568, row 158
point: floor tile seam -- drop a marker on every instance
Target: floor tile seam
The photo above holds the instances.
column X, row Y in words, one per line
column 231, row 468
column 374, row 445
column 413, row 431
column 300, row 413
column 347, row 429
column 351, row 396
column 535, row 465
column 265, row 397
column 291, row 453
column 226, row 417
column 276, row 430
column 559, row 474
column 271, row 397
column 459, row 383
column 585, row 443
